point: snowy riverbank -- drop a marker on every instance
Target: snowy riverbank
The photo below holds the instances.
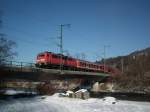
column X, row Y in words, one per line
column 61, row 104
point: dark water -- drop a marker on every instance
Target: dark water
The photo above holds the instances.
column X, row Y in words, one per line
column 8, row 97
column 122, row 96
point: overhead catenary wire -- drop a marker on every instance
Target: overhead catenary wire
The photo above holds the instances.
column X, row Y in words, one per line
column 27, row 40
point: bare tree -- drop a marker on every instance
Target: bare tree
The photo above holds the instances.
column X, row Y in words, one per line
column 83, row 56
column 0, row 18
column 6, row 46
column 77, row 55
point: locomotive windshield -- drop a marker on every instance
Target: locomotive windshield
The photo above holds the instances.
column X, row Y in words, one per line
column 40, row 55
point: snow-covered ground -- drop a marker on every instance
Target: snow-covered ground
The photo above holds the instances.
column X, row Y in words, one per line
column 64, row 104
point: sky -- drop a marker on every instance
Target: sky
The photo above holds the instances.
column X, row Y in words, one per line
column 123, row 26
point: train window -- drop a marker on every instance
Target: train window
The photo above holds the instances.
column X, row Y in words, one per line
column 96, row 66
column 101, row 67
column 41, row 55
column 55, row 56
column 90, row 65
column 83, row 64
column 70, row 59
column 65, row 57
column 109, row 70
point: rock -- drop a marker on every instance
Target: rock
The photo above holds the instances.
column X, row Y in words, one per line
column 109, row 100
column 82, row 94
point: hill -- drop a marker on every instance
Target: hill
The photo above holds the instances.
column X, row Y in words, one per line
column 135, row 69
column 141, row 52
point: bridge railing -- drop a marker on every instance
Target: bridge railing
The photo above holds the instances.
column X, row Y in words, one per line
column 17, row 65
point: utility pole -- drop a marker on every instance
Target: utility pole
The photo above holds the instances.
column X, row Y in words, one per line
column 122, row 64
column 105, row 46
column 61, row 44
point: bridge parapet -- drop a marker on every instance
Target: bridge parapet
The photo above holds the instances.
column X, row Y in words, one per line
column 30, row 67
column 17, row 64
column 27, row 71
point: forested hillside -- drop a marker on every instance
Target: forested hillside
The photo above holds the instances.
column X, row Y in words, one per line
column 135, row 69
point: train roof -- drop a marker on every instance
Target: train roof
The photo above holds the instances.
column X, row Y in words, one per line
column 56, row 54
column 44, row 52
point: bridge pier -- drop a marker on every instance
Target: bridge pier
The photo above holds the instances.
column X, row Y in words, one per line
column 102, row 86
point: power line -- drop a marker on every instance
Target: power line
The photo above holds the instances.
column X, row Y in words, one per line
column 26, row 40
column 40, row 20
column 33, row 43
column 20, row 31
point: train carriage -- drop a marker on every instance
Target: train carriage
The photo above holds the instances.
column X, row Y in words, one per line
column 52, row 60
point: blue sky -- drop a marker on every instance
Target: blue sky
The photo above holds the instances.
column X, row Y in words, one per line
column 124, row 25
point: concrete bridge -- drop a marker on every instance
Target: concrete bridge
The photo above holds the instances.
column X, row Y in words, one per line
column 13, row 74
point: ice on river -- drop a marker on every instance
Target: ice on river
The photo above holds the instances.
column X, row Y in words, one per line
column 63, row 104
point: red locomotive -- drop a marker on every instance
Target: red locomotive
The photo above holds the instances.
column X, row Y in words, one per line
column 52, row 60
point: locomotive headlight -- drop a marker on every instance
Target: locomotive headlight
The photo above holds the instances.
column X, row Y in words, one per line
column 42, row 59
